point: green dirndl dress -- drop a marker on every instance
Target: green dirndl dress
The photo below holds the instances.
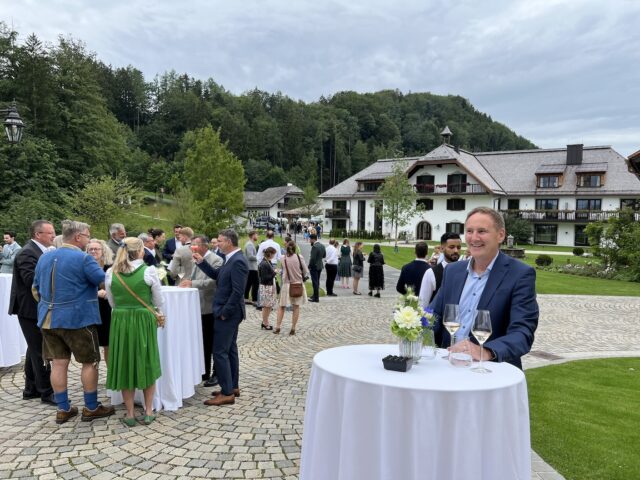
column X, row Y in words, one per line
column 134, row 360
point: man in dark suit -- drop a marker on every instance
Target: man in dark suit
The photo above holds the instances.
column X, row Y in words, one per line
column 412, row 273
column 149, row 249
column 228, row 312
column 318, row 252
column 172, row 244
column 490, row 281
column 36, row 374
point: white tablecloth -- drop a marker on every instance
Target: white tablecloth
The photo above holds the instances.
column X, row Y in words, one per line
column 12, row 343
column 181, row 351
column 435, row 421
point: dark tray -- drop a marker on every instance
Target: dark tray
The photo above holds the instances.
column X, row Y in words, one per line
column 397, row 364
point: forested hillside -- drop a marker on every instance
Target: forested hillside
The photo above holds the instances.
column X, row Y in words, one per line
column 86, row 119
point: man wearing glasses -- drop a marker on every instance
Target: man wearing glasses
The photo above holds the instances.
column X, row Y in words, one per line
column 36, row 374
column 66, row 282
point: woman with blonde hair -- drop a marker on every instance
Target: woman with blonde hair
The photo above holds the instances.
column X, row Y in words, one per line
column 294, row 274
column 132, row 288
column 99, row 250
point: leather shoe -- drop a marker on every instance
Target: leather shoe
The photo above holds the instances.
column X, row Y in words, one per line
column 217, row 393
column 29, row 395
column 49, row 399
column 101, row 411
column 211, row 382
column 63, row 416
column 314, row 300
column 221, row 400
column 332, row 294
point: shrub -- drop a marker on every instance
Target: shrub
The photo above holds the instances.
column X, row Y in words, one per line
column 578, row 251
column 544, row 260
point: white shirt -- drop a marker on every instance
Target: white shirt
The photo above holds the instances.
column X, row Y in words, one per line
column 269, row 242
column 428, row 286
column 150, row 278
column 332, row 255
column 41, row 246
column 230, row 254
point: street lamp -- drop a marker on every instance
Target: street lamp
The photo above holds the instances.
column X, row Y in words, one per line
column 13, row 124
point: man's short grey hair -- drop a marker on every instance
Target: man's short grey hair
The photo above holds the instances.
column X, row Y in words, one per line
column 203, row 239
column 144, row 237
column 231, row 235
column 73, row 228
column 115, row 227
column 498, row 221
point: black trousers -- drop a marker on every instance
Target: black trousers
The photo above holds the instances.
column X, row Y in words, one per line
column 332, row 272
column 252, row 285
column 315, row 282
column 207, row 343
column 36, row 372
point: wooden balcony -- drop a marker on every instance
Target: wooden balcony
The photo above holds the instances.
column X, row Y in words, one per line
column 336, row 213
column 448, row 189
column 566, row 215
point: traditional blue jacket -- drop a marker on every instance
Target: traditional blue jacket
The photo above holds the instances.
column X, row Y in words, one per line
column 66, row 282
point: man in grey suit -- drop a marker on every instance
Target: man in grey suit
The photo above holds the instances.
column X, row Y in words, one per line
column 182, row 262
column 206, row 289
column 117, row 233
column 252, row 280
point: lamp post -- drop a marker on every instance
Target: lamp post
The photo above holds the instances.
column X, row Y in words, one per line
column 13, row 124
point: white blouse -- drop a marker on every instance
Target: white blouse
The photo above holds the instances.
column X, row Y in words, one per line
column 150, row 278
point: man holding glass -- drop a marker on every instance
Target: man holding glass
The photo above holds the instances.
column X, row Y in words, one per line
column 491, row 281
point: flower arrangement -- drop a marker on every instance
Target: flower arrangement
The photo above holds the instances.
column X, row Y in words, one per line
column 162, row 274
column 410, row 319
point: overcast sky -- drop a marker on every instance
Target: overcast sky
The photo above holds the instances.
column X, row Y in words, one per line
column 554, row 71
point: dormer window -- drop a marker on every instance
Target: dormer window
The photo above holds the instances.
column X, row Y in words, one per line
column 593, row 180
column 549, row 181
column 369, row 186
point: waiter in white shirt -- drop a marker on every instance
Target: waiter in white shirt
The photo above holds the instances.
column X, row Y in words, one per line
column 450, row 246
column 331, row 266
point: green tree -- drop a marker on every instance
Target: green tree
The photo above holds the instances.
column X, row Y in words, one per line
column 103, row 201
column 308, row 204
column 398, row 200
column 214, row 177
column 519, row 228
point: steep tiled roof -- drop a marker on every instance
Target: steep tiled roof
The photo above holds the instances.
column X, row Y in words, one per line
column 270, row 196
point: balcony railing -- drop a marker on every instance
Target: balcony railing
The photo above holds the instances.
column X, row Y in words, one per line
column 567, row 215
column 443, row 189
column 336, row 213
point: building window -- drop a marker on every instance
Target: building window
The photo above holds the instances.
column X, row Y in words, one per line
column 425, row 183
column 455, row 204
column 632, row 203
column 456, row 183
column 546, row 234
column 369, row 186
column 548, row 181
column 584, row 205
column 338, row 225
column 580, row 237
column 513, row 204
column 548, row 204
column 361, row 214
column 455, row 227
column 427, row 203
column 590, row 180
column 340, row 204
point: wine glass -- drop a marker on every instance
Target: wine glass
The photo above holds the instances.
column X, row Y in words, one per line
column 482, row 331
column 180, row 277
column 451, row 322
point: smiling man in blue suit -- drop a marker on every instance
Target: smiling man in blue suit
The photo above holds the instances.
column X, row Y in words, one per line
column 490, row 281
column 228, row 312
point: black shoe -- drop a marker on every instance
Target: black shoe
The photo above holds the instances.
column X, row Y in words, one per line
column 315, row 300
column 28, row 395
column 332, row 295
column 212, row 382
column 266, row 327
column 49, row 399
column 370, row 294
column 377, row 295
column 259, row 309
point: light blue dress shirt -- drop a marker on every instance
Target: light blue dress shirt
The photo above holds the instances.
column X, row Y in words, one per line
column 471, row 293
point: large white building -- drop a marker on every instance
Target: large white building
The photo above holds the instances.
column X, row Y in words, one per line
column 558, row 190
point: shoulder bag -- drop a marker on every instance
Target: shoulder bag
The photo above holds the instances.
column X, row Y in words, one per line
column 160, row 318
column 295, row 289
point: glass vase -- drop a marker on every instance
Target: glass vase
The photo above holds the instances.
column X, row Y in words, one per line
column 428, row 344
column 411, row 348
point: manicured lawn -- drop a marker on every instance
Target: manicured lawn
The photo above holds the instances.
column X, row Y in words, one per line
column 546, row 282
column 585, row 417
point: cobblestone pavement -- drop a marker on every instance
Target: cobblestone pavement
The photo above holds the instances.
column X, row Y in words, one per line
column 260, row 436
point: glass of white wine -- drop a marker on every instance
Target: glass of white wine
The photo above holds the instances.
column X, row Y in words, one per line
column 482, row 331
column 451, row 322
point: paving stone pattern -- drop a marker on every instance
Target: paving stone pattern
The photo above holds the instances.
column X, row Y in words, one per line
column 260, row 436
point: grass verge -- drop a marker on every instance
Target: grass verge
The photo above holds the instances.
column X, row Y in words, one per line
column 584, row 417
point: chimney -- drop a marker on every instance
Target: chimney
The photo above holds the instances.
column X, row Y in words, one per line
column 446, row 135
column 574, row 154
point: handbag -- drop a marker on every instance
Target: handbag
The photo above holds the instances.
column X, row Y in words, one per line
column 295, row 289
column 160, row 318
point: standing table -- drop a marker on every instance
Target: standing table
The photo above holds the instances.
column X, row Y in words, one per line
column 12, row 343
column 435, row 421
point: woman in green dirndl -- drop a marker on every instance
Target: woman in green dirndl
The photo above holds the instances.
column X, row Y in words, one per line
column 133, row 290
